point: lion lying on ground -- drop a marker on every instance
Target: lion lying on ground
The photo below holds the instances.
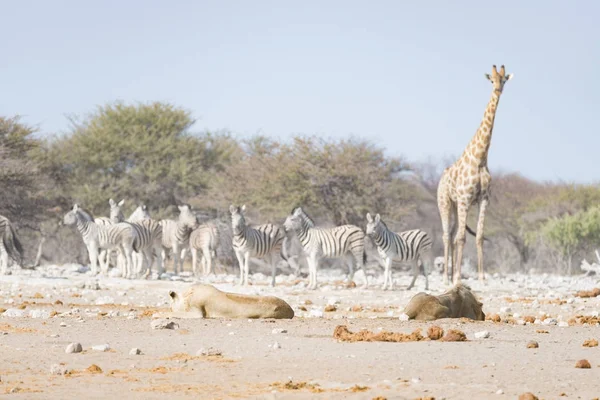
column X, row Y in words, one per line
column 457, row 302
column 206, row 301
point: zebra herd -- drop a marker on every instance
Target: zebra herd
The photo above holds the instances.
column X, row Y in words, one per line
column 141, row 241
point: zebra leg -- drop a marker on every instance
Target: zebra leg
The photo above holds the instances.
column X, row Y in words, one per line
column 182, row 258
column 208, row 258
column 163, row 257
column 273, row 268
column 93, row 253
column 425, row 273
column 240, row 259
column 157, row 252
column 386, row 272
column 194, row 253
column 129, row 261
column 351, row 270
column 176, row 258
column 246, row 267
column 415, row 271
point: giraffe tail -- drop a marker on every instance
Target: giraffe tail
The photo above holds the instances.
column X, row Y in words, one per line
column 472, row 232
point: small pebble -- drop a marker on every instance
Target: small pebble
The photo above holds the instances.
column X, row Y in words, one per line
column 482, row 335
column 276, row 345
column 63, row 324
column 209, row 351
column 57, row 369
column 499, row 391
column 403, row 317
column 163, row 324
column 532, row 344
column 74, row 348
column 135, row 351
column 101, row 347
column 278, row 330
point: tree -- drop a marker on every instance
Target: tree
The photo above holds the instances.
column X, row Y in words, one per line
column 142, row 152
column 336, row 180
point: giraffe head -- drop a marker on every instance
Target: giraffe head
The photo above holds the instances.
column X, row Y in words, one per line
column 498, row 78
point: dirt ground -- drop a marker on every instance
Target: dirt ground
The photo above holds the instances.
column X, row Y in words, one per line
column 46, row 309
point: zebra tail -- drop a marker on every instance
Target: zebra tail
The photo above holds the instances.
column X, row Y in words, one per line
column 472, row 232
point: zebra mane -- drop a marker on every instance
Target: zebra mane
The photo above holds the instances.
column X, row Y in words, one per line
column 304, row 216
column 86, row 214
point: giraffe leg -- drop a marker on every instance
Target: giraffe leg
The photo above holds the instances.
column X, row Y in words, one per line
column 462, row 212
column 445, row 213
column 479, row 238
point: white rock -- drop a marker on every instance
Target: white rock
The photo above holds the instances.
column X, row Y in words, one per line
column 63, row 324
column 333, row 301
column 278, row 330
column 276, row 345
column 570, row 300
column 43, row 314
column 390, row 313
column 57, row 369
column 91, row 285
column 13, row 313
column 315, row 314
column 208, row 351
column 499, row 391
column 104, row 300
column 563, row 324
column 550, row 321
column 416, row 380
column 516, row 315
column 74, row 348
column 403, row 317
column 135, row 351
column 101, row 347
column 164, row 324
column 505, row 310
column 482, row 335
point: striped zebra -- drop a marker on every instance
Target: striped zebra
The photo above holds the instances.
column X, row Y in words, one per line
column 259, row 242
column 151, row 238
column 176, row 236
column 119, row 237
column 404, row 246
column 105, row 254
column 148, row 238
column 318, row 243
column 205, row 239
column 10, row 246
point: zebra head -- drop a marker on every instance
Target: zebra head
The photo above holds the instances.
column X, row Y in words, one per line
column 373, row 225
column 140, row 213
column 116, row 215
column 295, row 220
column 76, row 213
column 238, row 222
column 187, row 217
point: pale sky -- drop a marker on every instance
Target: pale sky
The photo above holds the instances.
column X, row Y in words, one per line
column 408, row 75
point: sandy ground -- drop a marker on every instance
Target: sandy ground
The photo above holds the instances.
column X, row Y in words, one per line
column 51, row 307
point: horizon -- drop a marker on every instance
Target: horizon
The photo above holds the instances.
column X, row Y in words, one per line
column 407, row 77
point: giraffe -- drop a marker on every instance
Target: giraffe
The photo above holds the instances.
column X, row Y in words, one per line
column 467, row 182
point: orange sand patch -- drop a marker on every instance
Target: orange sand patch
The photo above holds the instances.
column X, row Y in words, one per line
column 15, row 329
column 588, row 293
column 434, row 332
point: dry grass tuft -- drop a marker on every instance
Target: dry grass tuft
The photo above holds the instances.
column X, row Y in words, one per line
column 435, row 332
column 532, row 344
column 494, row 318
column 93, row 369
column 590, row 343
column 454, row 335
column 528, row 396
column 330, row 308
column 342, row 333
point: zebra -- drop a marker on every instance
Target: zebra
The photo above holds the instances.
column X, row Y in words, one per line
column 176, row 235
column 205, row 239
column 261, row 241
column 105, row 254
column 152, row 236
column 119, row 236
column 404, row 246
column 318, row 243
column 148, row 238
column 10, row 246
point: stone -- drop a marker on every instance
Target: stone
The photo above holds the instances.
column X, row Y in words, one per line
column 278, row 331
column 208, row 352
column 276, row 345
column 74, row 348
column 135, row 351
column 101, row 347
column 164, row 324
column 482, row 335
column 57, row 369
column 403, row 317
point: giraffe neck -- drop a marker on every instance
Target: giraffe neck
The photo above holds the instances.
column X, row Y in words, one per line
column 477, row 150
